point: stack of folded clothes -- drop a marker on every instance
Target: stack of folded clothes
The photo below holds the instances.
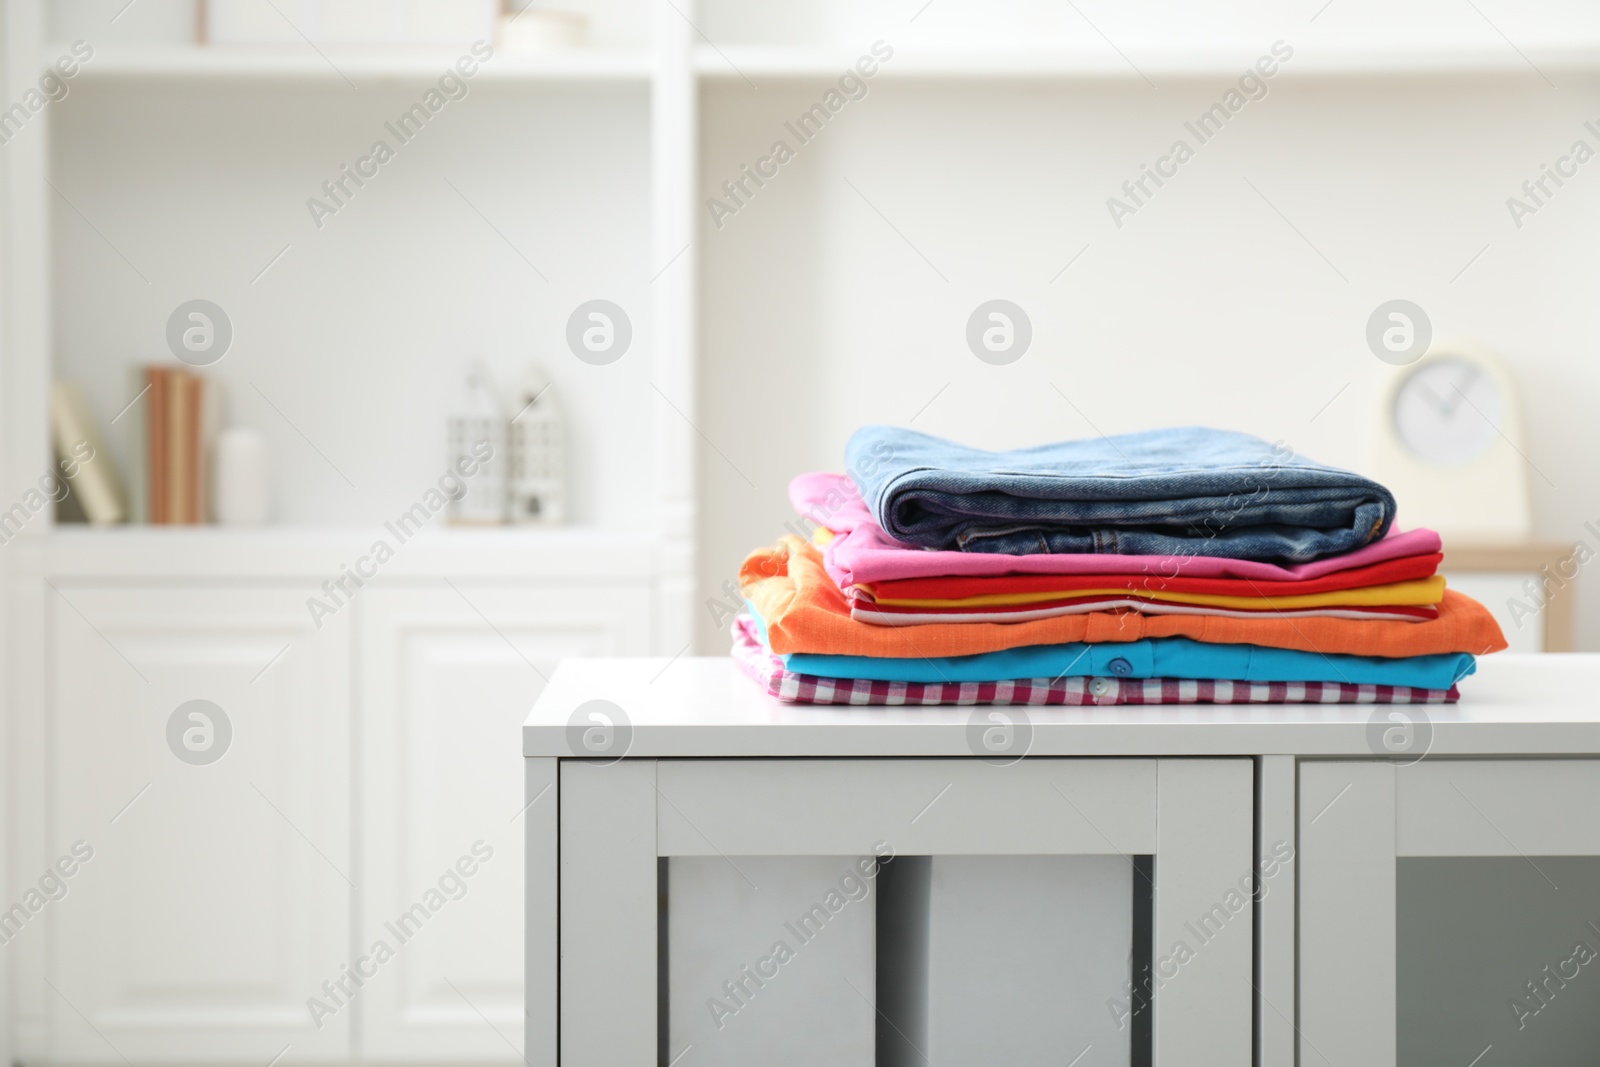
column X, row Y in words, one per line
column 1171, row 566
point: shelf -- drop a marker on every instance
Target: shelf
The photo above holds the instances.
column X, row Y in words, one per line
column 753, row 62
column 738, row 62
column 301, row 552
column 359, row 65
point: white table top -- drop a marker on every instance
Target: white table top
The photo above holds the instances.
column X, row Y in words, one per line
column 1514, row 705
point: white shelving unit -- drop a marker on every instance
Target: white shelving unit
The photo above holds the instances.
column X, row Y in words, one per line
column 91, row 204
column 164, row 171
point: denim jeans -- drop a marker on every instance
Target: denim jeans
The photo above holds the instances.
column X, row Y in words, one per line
column 1176, row 492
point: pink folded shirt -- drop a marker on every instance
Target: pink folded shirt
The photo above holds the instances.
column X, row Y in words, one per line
column 862, row 552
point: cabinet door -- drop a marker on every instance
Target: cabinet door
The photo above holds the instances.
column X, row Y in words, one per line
column 775, row 932
column 447, row 676
column 1450, row 913
column 216, row 897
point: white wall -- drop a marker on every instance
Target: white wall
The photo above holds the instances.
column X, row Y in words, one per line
column 1205, row 307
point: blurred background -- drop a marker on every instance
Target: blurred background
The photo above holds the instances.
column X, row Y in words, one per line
column 248, row 352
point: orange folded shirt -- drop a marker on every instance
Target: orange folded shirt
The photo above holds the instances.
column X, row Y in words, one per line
column 804, row 611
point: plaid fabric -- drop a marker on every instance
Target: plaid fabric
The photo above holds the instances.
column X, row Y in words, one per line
column 766, row 668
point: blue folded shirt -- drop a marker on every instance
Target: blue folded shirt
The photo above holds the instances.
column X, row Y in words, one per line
column 1177, row 492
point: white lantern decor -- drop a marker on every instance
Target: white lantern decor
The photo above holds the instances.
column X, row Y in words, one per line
column 537, row 453
column 477, row 418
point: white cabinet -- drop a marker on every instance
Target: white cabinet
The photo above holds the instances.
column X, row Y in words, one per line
column 1180, row 829
column 447, row 674
column 1350, row 908
column 1451, row 907
column 231, row 909
column 217, row 899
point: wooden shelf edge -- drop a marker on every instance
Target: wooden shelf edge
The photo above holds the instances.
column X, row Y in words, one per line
column 1477, row 556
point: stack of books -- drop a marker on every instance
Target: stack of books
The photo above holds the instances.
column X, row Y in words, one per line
column 173, row 429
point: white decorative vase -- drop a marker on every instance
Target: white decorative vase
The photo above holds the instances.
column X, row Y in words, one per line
column 240, row 489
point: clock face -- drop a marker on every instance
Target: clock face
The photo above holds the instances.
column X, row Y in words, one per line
column 1448, row 411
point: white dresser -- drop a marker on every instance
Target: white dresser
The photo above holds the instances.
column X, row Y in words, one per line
column 1119, row 885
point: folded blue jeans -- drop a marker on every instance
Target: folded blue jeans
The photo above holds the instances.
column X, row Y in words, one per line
column 1175, row 492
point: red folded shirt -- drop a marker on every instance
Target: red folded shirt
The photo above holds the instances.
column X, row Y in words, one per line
column 1406, row 568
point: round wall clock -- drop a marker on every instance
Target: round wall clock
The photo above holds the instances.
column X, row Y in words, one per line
column 1449, row 444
